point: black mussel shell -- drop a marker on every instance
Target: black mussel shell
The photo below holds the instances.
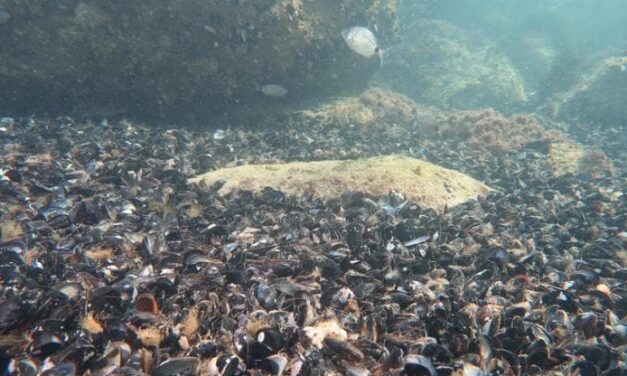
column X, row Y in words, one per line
column 418, row 365
column 88, row 212
column 355, row 235
column 24, row 367
column 63, row 369
column 618, row 371
column 585, row 368
column 342, row 349
column 12, row 312
column 599, row 354
column 230, row 365
column 271, row 196
column 273, row 364
column 175, row 366
column 437, row 352
column 266, row 295
column 268, row 341
column 205, row 350
column 47, row 344
column 9, row 273
column 116, row 330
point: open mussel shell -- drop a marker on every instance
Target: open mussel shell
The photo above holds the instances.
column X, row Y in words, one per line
column 146, row 302
column 175, row 366
column 275, row 364
column 418, row 365
column 63, row 369
column 25, row 367
column 47, row 344
column 226, row 364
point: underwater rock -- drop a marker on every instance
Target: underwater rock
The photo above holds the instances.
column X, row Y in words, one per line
column 443, row 65
column 571, row 157
column 421, row 181
column 598, row 98
column 477, row 134
column 374, row 108
column 154, row 61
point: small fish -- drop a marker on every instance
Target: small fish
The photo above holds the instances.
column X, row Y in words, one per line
column 362, row 41
column 273, row 90
column 417, row 241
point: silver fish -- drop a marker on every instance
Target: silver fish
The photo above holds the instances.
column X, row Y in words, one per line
column 417, row 241
column 361, row 40
column 273, row 90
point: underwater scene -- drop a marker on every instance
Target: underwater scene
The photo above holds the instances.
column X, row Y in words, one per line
column 313, row 187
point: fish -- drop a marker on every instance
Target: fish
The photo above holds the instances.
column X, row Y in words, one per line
column 417, row 241
column 273, row 90
column 363, row 42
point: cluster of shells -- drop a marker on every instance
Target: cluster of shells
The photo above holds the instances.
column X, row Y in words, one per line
column 112, row 265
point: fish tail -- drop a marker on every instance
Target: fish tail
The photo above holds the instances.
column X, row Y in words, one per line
column 382, row 55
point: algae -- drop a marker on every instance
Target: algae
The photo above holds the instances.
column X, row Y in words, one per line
column 433, row 187
column 449, row 67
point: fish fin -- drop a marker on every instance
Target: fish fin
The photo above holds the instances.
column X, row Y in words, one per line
column 381, row 54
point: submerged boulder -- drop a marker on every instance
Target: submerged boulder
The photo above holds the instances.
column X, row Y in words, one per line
column 444, row 65
column 599, row 98
column 178, row 60
column 374, row 109
column 421, row 182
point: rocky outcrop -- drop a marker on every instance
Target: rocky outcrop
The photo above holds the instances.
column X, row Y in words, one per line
column 444, row 65
column 180, row 60
column 599, row 98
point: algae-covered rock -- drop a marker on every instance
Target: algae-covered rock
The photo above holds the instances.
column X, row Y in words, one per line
column 420, row 181
column 443, row 65
column 599, row 98
column 374, row 108
column 164, row 60
column 570, row 157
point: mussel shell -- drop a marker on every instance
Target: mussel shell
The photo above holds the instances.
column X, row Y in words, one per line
column 13, row 311
column 343, row 349
column 273, row 364
column 418, row 365
column 585, row 368
column 437, row 352
column 205, row 350
column 174, row 366
column 267, row 296
column 599, row 354
column 24, row 367
column 63, row 369
column 268, row 341
column 47, row 344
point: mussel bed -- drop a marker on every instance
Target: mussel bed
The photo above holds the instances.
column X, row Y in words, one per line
column 111, row 264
